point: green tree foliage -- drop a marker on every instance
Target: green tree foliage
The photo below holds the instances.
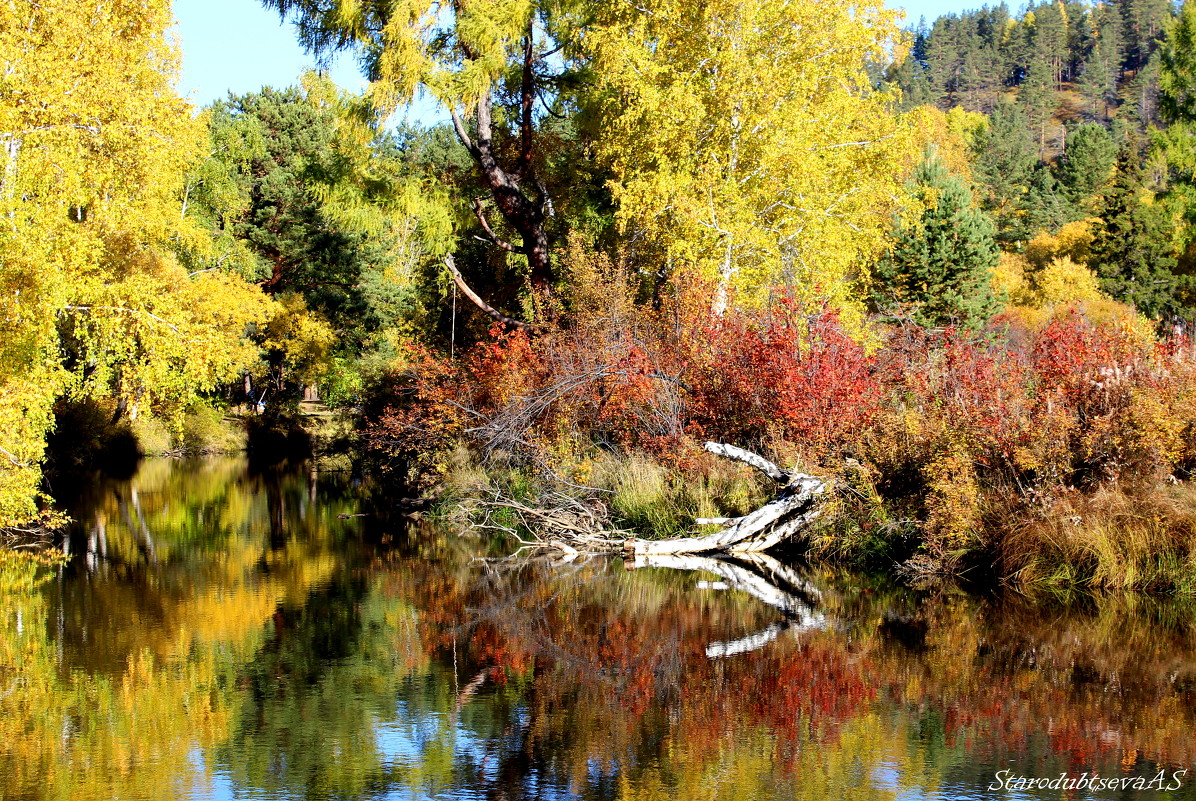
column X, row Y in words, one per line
column 489, row 63
column 1142, row 94
column 1049, row 35
column 1087, row 163
column 1177, row 78
column 1101, row 67
column 1039, row 100
column 941, row 264
column 1132, row 251
column 1177, row 106
column 304, row 196
column 1143, row 22
column 1047, row 206
column 1006, row 164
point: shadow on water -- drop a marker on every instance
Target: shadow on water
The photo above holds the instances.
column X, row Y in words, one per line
column 227, row 632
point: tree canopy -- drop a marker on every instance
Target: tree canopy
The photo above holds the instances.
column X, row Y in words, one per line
column 94, row 300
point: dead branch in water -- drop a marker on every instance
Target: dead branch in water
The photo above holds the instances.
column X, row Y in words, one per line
column 559, row 521
column 760, row 576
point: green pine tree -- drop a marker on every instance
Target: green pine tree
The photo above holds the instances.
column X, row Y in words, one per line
column 1005, row 167
column 1039, row 100
column 941, row 265
column 1087, row 163
column 1177, row 143
column 1048, row 207
column 1132, row 250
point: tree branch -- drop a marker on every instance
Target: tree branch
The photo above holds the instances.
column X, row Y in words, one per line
column 494, row 238
column 462, row 134
column 494, row 313
column 747, row 457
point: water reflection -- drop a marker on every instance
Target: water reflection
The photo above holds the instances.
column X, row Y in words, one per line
column 234, row 635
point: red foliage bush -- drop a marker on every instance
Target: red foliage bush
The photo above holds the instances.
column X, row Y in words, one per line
column 421, row 410
column 788, row 377
column 950, row 420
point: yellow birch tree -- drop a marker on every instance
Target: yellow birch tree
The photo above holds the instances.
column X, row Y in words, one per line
column 94, row 144
column 746, row 140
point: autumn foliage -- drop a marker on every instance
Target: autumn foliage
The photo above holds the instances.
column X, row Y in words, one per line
column 953, row 431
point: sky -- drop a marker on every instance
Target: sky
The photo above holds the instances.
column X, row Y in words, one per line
column 239, row 46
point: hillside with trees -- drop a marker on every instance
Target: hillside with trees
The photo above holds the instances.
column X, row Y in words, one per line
column 950, row 269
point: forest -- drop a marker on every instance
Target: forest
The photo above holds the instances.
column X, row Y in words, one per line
column 949, row 268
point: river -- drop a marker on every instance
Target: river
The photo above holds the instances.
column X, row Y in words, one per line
column 220, row 633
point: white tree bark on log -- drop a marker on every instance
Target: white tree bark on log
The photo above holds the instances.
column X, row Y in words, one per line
column 793, row 509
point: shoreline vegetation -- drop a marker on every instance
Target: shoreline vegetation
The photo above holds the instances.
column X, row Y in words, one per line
column 949, row 271
column 1055, row 454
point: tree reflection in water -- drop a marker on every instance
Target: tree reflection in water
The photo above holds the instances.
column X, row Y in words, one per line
column 223, row 634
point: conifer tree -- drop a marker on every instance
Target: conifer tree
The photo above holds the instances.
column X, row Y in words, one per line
column 1142, row 95
column 1047, row 207
column 489, row 64
column 1177, row 107
column 1132, row 249
column 1039, row 100
column 1087, row 163
column 1098, row 78
column 941, row 264
column 1143, row 22
column 1177, row 68
column 1050, row 40
column 1006, row 163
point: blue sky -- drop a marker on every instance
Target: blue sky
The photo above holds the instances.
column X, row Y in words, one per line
column 238, row 46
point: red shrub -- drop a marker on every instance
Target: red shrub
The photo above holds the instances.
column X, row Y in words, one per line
column 804, row 380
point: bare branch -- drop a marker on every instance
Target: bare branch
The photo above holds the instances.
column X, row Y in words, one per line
column 747, row 457
column 481, row 304
column 493, row 237
column 462, row 133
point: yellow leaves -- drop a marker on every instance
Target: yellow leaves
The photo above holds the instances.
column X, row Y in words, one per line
column 953, row 500
column 164, row 334
column 1059, row 281
column 302, row 337
column 25, row 402
column 1009, row 277
column 88, row 94
column 1074, row 241
column 949, row 134
column 97, row 145
column 1064, row 281
column 458, row 55
column 745, row 141
column 1051, row 274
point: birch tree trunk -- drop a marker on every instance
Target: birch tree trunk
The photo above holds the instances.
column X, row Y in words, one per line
column 794, row 508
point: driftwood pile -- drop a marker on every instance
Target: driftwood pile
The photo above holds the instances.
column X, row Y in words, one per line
column 561, row 522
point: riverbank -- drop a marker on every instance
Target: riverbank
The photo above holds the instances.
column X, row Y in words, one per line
column 1049, row 450
column 1115, row 537
column 1056, row 453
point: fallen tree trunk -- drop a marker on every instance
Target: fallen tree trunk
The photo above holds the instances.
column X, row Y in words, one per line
column 794, row 508
column 559, row 521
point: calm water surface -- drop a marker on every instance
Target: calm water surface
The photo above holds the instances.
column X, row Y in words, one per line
column 230, row 635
